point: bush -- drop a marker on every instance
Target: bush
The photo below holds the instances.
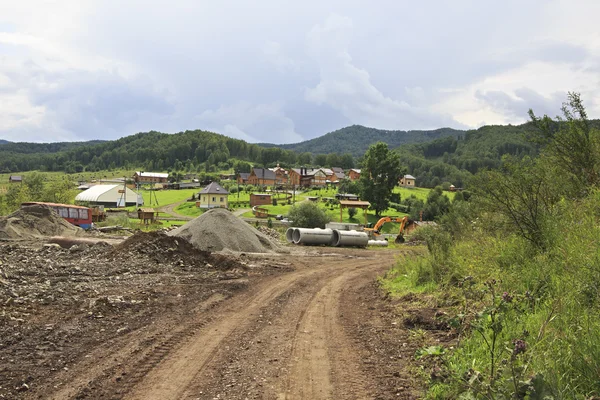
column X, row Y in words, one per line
column 352, row 212
column 308, row 215
column 274, row 201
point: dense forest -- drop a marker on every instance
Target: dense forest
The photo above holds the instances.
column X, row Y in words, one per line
column 190, row 150
column 356, row 139
column 455, row 160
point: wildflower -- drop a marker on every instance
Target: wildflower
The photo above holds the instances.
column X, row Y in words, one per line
column 506, row 297
column 520, row 347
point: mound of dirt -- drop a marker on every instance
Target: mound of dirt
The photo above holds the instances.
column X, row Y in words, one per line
column 163, row 249
column 218, row 230
column 34, row 222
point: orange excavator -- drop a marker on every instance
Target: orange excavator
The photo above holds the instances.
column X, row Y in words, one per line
column 374, row 231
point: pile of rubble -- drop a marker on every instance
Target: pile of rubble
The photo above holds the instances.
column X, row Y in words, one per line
column 35, row 221
column 272, row 233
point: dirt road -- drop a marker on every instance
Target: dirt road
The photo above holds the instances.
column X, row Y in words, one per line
column 281, row 338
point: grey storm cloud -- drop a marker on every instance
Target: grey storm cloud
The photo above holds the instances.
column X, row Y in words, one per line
column 272, row 71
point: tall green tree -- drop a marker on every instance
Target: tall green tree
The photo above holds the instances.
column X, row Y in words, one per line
column 380, row 172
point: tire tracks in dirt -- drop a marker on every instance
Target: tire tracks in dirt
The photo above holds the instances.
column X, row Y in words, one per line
column 171, row 378
column 279, row 339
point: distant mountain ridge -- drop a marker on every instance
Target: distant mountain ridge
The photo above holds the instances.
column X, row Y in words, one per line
column 2, row 141
column 356, row 139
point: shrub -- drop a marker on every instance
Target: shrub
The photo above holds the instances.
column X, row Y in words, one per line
column 352, row 212
column 308, row 215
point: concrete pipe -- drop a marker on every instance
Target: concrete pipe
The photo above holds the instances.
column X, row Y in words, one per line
column 312, row 236
column 382, row 243
column 349, row 238
column 289, row 235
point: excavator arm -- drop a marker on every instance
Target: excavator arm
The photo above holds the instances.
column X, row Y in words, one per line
column 400, row 238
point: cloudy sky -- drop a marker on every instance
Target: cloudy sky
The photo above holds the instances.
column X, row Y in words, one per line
column 282, row 71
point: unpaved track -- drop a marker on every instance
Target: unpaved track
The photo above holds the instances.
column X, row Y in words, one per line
column 280, row 339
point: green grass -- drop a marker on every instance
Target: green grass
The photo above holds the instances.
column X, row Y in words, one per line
column 166, row 197
column 325, row 192
column 189, row 209
column 419, row 193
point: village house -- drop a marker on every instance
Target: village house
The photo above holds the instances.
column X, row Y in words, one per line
column 150, row 177
column 242, row 178
column 339, row 174
column 262, row 177
column 281, row 174
column 307, row 177
column 354, row 174
column 213, row 196
column 407, row 181
column 15, row 179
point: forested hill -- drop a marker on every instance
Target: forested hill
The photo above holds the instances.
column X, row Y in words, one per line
column 454, row 160
column 149, row 150
column 356, row 139
column 30, row 148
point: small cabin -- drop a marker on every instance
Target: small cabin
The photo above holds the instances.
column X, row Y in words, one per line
column 147, row 215
column 15, row 179
column 260, row 199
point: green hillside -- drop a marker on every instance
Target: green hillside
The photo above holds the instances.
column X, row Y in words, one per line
column 454, row 160
column 149, row 150
column 356, row 139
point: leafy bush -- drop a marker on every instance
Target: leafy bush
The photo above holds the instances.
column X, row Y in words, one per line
column 352, row 212
column 308, row 215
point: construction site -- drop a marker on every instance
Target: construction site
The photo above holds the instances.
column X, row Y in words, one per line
column 215, row 309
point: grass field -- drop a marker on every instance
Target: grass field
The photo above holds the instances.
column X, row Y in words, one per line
column 419, row 193
column 189, row 209
column 166, row 197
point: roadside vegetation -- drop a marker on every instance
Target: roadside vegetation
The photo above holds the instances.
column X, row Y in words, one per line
column 517, row 272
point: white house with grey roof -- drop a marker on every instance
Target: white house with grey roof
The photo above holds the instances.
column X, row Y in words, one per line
column 213, row 196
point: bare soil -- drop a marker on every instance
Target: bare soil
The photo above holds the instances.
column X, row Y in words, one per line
column 155, row 318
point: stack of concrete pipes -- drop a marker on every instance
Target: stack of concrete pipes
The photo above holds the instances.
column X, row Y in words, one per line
column 329, row 237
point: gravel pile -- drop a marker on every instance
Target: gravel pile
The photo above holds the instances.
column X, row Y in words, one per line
column 218, row 230
column 35, row 221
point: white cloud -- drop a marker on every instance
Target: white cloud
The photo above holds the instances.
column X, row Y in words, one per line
column 250, row 122
column 349, row 89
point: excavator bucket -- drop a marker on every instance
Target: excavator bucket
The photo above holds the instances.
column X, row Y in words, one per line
column 399, row 239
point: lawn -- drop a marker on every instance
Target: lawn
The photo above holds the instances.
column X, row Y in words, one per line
column 419, row 193
column 324, row 192
column 189, row 209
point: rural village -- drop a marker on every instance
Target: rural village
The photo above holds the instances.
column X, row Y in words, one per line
column 307, row 200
